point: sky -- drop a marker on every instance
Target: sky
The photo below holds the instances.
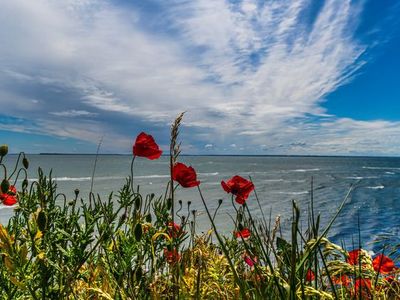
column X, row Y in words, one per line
column 293, row 77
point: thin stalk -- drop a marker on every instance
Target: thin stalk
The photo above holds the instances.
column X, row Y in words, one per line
column 133, row 160
column 305, row 257
column 235, row 275
column 95, row 163
column 264, row 252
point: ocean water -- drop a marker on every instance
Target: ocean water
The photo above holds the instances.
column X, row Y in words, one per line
column 372, row 208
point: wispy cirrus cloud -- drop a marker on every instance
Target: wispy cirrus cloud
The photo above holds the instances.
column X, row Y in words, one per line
column 249, row 73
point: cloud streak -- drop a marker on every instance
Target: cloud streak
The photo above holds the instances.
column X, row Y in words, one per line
column 251, row 74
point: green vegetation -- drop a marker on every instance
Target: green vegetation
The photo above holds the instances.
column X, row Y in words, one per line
column 131, row 246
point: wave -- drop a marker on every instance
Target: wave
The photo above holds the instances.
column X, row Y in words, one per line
column 286, row 180
column 208, row 174
column 355, row 177
column 304, row 170
column 292, row 193
column 152, row 176
column 88, row 178
column 361, row 177
column 378, row 187
column 390, row 173
column 380, row 168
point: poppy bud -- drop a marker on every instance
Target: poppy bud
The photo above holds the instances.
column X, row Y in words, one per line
column 137, row 203
column 148, row 218
column 239, row 217
column 25, row 163
column 138, row 232
column 152, row 195
column 169, row 203
column 122, row 219
column 76, row 191
column 5, row 185
column 139, row 273
column 3, row 150
column 219, row 201
column 25, row 184
column 42, row 221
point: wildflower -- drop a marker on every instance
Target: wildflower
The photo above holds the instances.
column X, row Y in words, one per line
column 354, row 257
column 244, row 233
column 310, row 276
column 363, row 284
column 9, row 198
column 172, row 256
column 383, row 264
column 184, row 175
column 342, row 280
column 250, row 261
column 238, row 186
column 174, row 230
column 145, row 146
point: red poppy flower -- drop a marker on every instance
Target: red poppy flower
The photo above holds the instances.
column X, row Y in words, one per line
column 9, row 198
column 244, row 233
column 174, row 230
column 172, row 256
column 310, row 276
column 383, row 264
column 145, row 146
column 342, row 280
column 238, row 186
column 250, row 261
column 363, row 283
column 184, row 175
column 353, row 258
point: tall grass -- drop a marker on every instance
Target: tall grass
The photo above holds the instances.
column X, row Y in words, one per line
column 134, row 246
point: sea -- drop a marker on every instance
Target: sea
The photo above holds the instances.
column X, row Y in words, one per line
column 370, row 217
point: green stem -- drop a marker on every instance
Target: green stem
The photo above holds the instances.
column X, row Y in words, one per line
column 235, row 275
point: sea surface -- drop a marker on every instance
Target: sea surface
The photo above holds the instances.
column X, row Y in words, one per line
column 372, row 209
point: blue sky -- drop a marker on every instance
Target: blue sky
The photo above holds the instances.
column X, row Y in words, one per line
column 255, row 77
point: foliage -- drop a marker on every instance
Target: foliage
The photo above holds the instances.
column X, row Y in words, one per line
column 131, row 246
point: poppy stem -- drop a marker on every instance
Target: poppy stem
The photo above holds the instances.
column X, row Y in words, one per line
column 133, row 160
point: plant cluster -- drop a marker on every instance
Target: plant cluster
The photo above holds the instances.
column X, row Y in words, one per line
column 131, row 246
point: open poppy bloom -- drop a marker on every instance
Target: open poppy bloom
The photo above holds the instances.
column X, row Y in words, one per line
column 184, row 175
column 145, row 146
column 383, row 264
column 10, row 197
column 310, row 276
column 172, row 256
column 353, row 258
column 238, row 186
column 244, row 233
column 174, row 230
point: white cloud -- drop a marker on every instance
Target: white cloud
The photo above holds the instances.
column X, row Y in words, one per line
column 73, row 113
column 246, row 73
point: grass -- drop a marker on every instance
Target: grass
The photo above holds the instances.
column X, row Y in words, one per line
column 134, row 246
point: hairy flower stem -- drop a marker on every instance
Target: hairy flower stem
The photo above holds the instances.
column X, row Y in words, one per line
column 133, row 160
